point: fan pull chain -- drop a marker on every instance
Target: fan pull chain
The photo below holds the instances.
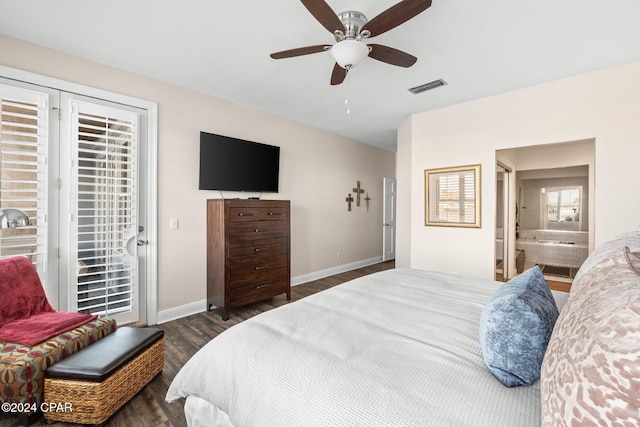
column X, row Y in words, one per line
column 346, row 99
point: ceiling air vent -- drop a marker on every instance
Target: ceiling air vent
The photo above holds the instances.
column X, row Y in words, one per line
column 427, row 86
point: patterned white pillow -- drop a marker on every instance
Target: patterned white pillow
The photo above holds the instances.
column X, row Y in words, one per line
column 591, row 370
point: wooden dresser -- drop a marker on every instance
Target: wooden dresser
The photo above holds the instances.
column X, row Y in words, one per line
column 248, row 252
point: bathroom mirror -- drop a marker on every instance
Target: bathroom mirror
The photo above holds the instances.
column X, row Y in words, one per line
column 452, row 196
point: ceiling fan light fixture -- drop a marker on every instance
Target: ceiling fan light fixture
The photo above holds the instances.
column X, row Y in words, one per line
column 349, row 53
column 350, row 28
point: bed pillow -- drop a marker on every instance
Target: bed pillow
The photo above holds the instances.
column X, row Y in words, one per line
column 515, row 327
column 590, row 372
column 531, row 280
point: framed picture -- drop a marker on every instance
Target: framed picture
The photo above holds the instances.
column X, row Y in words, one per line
column 452, row 196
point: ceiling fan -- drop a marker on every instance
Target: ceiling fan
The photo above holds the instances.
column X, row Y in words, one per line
column 351, row 28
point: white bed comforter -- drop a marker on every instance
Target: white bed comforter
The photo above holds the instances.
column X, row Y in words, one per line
column 396, row 348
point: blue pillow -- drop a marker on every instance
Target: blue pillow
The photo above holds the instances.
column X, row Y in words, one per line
column 531, row 280
column 515, row 327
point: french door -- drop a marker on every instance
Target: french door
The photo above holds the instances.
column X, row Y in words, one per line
column 101, row 197
column 84, row 190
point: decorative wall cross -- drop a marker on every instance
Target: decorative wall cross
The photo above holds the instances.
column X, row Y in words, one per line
column 366, row 200
column 358, row 192
column 349, row 199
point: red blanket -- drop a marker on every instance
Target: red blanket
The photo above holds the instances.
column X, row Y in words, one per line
column 26, row 317
column 40, row 327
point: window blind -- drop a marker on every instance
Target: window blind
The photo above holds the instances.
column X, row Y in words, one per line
column 23, row 172
column 456, row 197
column 105, row 209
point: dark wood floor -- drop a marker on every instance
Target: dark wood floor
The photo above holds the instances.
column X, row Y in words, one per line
column 183, row 337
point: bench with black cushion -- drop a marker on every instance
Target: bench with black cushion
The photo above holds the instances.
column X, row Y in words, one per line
column 91, row 385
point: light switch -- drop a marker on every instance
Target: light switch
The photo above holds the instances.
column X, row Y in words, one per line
column 173, row 223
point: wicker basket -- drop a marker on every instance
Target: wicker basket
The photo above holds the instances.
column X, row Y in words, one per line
column 95, row 402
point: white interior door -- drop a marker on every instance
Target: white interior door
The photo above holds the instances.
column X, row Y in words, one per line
column 389, row 219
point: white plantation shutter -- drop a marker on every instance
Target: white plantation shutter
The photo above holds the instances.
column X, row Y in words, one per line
column 79, row 167
column 456, row 197
column 448, row 190
column 23, row 147
column 468, row 200
column 104, row 220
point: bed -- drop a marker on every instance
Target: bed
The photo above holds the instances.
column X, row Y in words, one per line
column 396, row 348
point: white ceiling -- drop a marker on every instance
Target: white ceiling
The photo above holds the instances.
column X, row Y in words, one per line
column 222, row 48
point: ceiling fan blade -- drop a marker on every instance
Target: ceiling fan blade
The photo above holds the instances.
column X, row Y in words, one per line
column 300, row 51
column 395, row 15
column 391, row 56
column 324, row 14
column 338, row 75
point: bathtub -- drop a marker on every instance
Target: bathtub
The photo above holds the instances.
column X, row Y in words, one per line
column 554, row 247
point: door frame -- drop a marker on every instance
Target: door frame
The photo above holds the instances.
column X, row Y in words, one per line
column 151, row 198
column 508, row 243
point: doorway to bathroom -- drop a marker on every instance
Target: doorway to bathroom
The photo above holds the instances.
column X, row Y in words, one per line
column 553, row 220
column 549, row 219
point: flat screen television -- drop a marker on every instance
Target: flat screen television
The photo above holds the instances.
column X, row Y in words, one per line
column 233, row 164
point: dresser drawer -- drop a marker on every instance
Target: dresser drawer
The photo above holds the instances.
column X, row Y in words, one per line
column 273, row 214
column 257, row 248
column 254, row 214
column 251, row 268
column 252, row 230
column 249, row 291
column 244, row 214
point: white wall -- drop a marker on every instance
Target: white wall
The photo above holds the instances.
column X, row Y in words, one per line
column 317, row 171
column 403, row 210
column 603, row 106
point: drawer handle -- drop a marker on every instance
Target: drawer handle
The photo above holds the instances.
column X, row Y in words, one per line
column 261, row 249
column 245, row 214
column 260, row 230
column 275, row 213
column 262, row 267
column 262, row 286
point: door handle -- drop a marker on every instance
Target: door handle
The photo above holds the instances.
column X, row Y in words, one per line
column 386, row 225
column 142, row 242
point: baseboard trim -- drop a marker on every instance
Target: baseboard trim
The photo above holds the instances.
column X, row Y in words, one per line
column 201, row 306
column 310, row 277
column 182, row 311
